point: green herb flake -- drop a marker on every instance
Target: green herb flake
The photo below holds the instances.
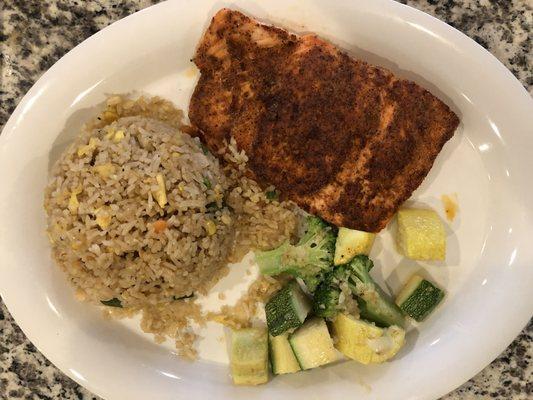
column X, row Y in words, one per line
column 114, row 302
column 212, row 206
column 183, row 297
column 207, row 183
column 271, row 195
column 204, row 148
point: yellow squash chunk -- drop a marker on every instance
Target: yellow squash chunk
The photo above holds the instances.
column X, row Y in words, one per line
column 249, row 356
column 281, row 355
column 312, row 344
column 421, row 234
column 351, row 242
column 365, row 342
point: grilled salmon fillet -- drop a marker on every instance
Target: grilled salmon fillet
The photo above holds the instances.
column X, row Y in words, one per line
column 343, row 139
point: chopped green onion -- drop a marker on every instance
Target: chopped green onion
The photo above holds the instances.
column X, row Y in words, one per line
column 211, row 206
column 114, row 302
column 271, row 195
column 183, row 297
column 207, row 183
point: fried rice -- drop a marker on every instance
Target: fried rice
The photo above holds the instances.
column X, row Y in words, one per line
column 142, row 217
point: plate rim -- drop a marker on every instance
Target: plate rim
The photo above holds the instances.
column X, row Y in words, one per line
column 421, row 17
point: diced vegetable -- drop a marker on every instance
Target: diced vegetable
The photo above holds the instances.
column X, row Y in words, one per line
column 160, row 225
column 287, row 309
column 309, row 259
column 119, row 135
column 249, row 356
column 272, row 195
column 160, row 195
column 189, row 296
column 109, row 116
column 327, row 296
column 205, row 150
column 350, row 243
column 374, row 304
column 103, row 217
column 421, row 234
column 73, row 203
column 419, row 297
column 312, row 345
column 282, row 357
column 351, row 282
column 110, row 133
column 364, row 341
column 210, row 227
column 88, row 149
column 105, row 170
column 114, row 302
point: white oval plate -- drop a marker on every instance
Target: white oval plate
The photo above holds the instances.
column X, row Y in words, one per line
column 488, row 274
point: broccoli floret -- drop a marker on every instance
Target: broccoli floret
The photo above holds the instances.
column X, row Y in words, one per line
column 326, row 297
column 309, row 259
column 374, row 304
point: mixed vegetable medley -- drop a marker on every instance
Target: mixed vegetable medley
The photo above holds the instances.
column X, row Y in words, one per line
column 333, row 304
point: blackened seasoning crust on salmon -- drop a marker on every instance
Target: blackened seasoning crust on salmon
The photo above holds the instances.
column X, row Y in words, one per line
column 343, row 139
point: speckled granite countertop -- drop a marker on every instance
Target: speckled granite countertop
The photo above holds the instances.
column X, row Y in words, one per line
column 36, row 33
